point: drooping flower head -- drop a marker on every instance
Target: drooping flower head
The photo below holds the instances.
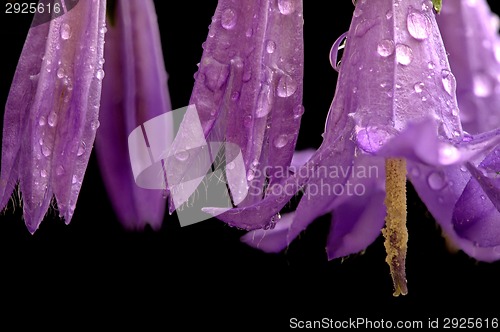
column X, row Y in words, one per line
column 134, row 91
column 51, row 115
column 395, row 104
column 248, row 89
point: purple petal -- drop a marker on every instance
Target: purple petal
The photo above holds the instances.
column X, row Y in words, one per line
column 394, row 72
column 53, row 102
column 470, row 34
column 248, row 88
column 271, row 240
column 134, row 91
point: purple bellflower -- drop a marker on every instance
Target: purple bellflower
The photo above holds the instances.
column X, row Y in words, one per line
column 395, row 105
column 51, row 114
column 248, row 89
column 134, row 91
column 470, row 34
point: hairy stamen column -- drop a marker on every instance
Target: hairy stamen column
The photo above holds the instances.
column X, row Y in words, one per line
column 395, row 232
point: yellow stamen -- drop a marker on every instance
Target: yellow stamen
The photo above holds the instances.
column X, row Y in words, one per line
column 395, row 232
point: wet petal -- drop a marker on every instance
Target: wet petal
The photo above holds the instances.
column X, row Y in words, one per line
column 248, row 88
column 470, row 34
column 53, row 102
column 134, row 91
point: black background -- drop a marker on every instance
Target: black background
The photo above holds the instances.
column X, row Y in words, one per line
column 201, row 275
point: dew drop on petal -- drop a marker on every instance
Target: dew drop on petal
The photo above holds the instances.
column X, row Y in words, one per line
column 286, row 7
column 99, row 74
column 65, row 31
column 46, row 150
column 298, row 111
column 385, row 47
column 42, row 121
column 249, row 32
column 404, row 54
column 52, row 120
column 228, row 19
column 81, row 149
column 43, row 173
column 281, row 141
column 448, row 154
column 286, row 86
column 61, row 73
column 95, row 124
column 270, row 46
column 448, row 80
column 264, row 101
column 419, row 87
column 436, row 181
column 335, row 50
column 418, row 25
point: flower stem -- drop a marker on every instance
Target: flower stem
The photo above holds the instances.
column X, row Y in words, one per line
column 395, row 232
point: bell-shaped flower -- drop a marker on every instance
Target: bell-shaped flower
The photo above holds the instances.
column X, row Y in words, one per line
column 134, row 91
column 248, row 89
column 395, row 104
column 51, row 114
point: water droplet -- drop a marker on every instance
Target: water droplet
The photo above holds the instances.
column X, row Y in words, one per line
column 463, row 168
column 81, row 149
column 230, row 165
column 298, row 111
column 99, row 74
column 388, row 15
column 65, row 31
column 335, row 50
column 249, row 32
column 228, row 19
column 370, row 139
column 448, row 154
column 286, row 86
column 61, row 73
column 385, row 47
column 46, row 150
column 74, row 180
column 483, row 197
column 95, row 124
column 419, row 25
column 42, row 121
column 483, row 85
column 103, row 30
column 44, row 173
column 431, row 65
column 281, row 141
column 448, row 80
column 270, row 46
column 404, row 54
column 419, row 87
column 286, row 7
column 181, row 155
column 52, row 120
column 264, row 101
column 436, row 181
